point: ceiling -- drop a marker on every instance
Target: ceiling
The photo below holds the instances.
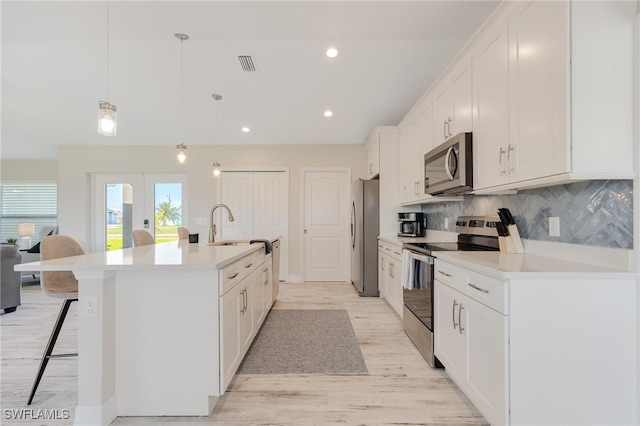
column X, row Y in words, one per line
column 54, row 69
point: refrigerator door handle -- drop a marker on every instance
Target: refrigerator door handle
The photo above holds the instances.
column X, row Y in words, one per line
column 353, row 225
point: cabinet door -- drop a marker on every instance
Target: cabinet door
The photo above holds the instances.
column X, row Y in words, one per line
column 246, row 314
column 538, row 90
column 258, row 294
column 442, row 108
column 448, row 342
column 462, row 100
column 491, row 109
column 266, row 279
column 230, row 356
column 396, row 285
column 421, row 142
column 373, row 154
column 405, row 188
column 485, row 340
column 382, row 273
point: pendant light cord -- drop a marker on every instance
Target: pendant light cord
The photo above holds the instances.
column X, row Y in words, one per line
column 181, row 95
column 108, row 10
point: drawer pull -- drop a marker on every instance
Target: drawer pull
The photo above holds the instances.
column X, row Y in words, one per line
column 453, row 314
column 249, row 265
column 387, row 249
column 444, row 273
column 233, row 276
column 399, row 254
column 472, row 285
column 460, row 319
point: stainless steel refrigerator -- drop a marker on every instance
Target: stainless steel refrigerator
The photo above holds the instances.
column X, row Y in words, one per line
column 365, row 226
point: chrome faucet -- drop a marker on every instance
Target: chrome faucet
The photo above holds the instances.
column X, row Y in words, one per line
column 212, row 226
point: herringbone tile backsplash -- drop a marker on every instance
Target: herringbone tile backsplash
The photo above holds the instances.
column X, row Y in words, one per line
column 595, row 213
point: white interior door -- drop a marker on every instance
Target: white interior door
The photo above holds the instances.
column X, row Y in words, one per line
column 124, row 202
column 259, row 201
column 326, row 225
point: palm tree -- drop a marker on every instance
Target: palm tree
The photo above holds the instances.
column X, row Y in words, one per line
column 167, row 213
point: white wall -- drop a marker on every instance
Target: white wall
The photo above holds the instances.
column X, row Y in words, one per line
column 40, row 171
column 76, row 163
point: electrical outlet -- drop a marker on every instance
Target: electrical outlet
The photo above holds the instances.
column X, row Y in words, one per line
column 202, row 221
column 554, row 226
column 446, row 223
column 90, row 307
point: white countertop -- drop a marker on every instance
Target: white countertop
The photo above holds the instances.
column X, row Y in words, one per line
column 164, row 256
column 509, row 266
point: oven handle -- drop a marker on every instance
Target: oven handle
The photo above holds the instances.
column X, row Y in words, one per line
column 420, row 257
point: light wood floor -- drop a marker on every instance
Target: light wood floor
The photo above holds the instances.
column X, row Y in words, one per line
column 400, row 388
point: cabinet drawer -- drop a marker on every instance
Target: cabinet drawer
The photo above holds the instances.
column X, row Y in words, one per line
column 232, row 274
column 487, row 290
column 392, row 250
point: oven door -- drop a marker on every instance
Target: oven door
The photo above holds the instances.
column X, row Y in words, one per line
column 419, row 298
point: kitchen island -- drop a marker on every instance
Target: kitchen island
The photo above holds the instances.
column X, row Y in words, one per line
column 163, row 328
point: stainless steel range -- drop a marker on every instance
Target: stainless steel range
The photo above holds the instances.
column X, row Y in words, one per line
column 476, row 233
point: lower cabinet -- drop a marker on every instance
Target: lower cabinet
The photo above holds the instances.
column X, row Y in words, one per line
column 539, row 348
column 242, row 312
column 471, row 341
column 389, row 274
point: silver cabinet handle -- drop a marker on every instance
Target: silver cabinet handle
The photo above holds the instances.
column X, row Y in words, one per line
column 453, row 313
column 249, row 265
column 242, row 305
column 444, row 273
column 382, row 264
column 233, row 276
column 449, row 126
column 266, row 276
column 460, row 318
column 509, row 150
column 387, row 249
column 444, row 129
column 472, row 285
column 398, row 253
column 246, row 300
column 391, row 265
column 502, row 152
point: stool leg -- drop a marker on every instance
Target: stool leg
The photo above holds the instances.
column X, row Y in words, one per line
column 52, row 341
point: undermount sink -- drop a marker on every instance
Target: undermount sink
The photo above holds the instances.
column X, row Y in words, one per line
column 230, row 243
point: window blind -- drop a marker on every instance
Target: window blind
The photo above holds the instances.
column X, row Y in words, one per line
column 34, row 203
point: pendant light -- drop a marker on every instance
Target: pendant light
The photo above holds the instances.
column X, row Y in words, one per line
column 107, row 112
column 216, row 165
column 182, row 148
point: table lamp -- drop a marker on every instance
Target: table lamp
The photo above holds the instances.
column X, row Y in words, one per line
column 26, row 230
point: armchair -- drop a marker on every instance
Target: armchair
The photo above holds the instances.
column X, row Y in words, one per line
column 10, row 280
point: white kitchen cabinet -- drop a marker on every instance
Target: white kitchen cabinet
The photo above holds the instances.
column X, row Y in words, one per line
column 471, row 342
column 389, row 274
column 416, row 140
column 247, row 286
column 373, row 154
column 491, row 147
column 453, row 103
column 529, row 349
column 549, row 106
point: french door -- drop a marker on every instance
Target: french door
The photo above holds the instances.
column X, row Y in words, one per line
column 124, row 202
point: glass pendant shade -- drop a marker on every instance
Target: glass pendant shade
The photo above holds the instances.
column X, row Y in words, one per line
column 107, row 119
column 182, row 153
column 216, row 169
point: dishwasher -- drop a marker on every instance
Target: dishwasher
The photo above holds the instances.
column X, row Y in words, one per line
column 275, row 271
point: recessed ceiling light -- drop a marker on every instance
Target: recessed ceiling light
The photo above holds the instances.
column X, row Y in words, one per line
column 246, row 129
column 332, row 52
column 328, row 113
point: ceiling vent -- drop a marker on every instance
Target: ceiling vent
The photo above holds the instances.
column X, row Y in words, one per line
column 247, row 63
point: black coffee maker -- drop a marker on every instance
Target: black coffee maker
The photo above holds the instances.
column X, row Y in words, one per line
column 412, row 224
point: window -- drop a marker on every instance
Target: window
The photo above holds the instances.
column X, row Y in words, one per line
column 34, row 203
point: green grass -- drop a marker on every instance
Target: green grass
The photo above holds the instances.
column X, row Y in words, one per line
column 163, row 234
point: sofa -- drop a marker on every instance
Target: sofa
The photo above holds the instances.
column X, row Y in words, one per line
column 10, row 280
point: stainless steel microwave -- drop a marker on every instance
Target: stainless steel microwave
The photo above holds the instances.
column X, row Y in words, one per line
column 448, row 169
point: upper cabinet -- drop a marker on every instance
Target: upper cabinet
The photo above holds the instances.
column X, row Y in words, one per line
column 549, row 105
column 491, row 148
column 416, row 139
column 373, row 154
column 453, row 103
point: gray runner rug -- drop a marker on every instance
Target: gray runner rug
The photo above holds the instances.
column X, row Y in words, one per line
column 302, row 341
